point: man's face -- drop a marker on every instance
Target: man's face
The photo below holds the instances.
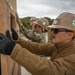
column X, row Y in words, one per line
column 38, row 29
column 60, row 36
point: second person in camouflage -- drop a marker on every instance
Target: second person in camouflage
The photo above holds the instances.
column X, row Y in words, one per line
column 39, row 32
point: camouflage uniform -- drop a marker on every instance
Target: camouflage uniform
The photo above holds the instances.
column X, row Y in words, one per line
column 38, row 37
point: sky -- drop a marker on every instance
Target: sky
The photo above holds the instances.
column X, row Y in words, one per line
column 44, row 8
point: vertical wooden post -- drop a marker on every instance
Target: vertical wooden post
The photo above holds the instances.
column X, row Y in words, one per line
column 4, row 65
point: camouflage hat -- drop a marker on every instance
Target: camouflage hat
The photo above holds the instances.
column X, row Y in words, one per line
column 33, row 19
column 43, row 22
column 64, row 20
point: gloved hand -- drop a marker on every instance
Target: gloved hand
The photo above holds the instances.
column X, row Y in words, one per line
column 14, row 34
column 8, row 34
column 6, row 45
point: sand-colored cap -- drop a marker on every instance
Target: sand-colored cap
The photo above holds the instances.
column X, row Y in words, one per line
column 33, row 19
column 64, row 20
column 43, row 22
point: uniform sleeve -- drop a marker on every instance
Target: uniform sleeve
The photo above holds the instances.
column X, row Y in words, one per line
column 33, row 36
column 37, row 48
column 37, row 65
column 28, row 34
column 36, row 37
column 40, row 38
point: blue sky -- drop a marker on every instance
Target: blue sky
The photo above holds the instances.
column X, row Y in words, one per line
column 44, row 8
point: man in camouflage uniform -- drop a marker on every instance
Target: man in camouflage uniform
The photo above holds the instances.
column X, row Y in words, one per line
column 32, row 20
column 39, row 32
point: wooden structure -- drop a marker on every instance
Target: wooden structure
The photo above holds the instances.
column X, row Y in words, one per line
column 8, row 21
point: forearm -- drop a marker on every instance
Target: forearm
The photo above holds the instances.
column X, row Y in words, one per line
column 41, row 49
column 31, row 46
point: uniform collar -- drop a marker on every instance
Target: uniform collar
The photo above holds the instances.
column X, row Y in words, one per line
column 66, row 45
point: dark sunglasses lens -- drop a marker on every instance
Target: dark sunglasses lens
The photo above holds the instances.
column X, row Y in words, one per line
column 55, row 31
column 37, row 25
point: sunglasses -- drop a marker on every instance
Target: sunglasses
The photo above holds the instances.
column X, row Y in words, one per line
column 36, row 25
column 56, row 31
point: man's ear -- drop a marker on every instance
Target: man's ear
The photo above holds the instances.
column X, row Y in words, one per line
column 70, row 35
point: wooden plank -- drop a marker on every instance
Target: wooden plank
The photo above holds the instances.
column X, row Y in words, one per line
column 4, row 65
column 0, row 64
column 9, row 67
